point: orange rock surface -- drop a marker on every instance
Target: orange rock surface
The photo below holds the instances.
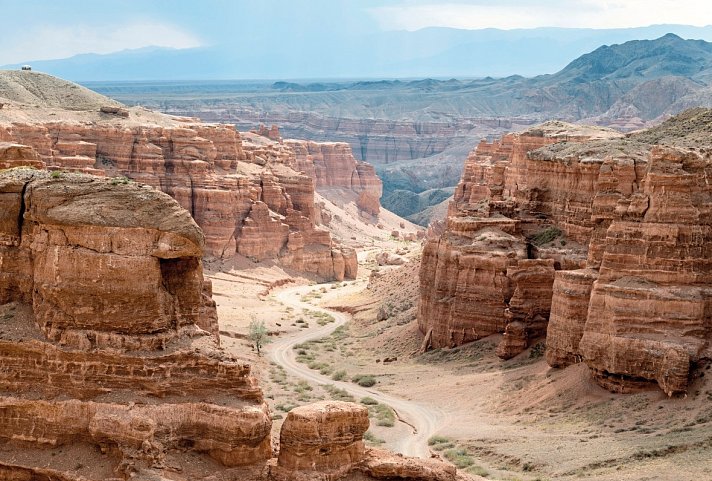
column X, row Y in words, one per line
column 333, row 166
column 111, row 337
column 596, row 240
column 223, row 182
column 324, row 437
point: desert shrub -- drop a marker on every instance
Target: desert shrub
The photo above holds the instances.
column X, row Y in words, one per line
column 302, row 386
column 369, row 437
column 285, row 407
column 384, row 415
column 545, row 236
column 338, row 394
column 369, row 401
column 537, row 350
column 459, row 457
column 437, row 440
column 364, row 380
column 339, row 375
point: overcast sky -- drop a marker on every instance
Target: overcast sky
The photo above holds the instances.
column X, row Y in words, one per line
column 50, row 29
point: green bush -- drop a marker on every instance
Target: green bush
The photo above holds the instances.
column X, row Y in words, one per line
column 384, row 415
column 339, row 375
column 364, row 380
column 437, row 440
column 369, row 401
column 459, row 457
column 369, row 437
column 338, row 394
column 545, row 236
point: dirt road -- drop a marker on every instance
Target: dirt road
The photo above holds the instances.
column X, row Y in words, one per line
column 423, row 420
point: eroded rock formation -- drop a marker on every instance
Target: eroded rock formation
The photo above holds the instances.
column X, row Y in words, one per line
column 108, row 336
column 109, row 350
column 333, row 167
column 324, row 441
column 596, row 240
column 239, row 194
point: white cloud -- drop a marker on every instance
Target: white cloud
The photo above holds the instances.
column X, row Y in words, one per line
column 53, row 42
column 557, row 13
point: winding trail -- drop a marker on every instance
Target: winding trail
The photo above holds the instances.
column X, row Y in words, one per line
column 423, row 420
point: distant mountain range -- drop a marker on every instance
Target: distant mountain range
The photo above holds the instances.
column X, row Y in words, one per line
column 418, row 132
column 430, row 52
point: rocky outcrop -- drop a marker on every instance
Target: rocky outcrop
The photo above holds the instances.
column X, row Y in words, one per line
column 109, row 352
column 224, row 186
column 16, row 155
column 333, row 167
column 108, row 334
column 324, row 441
column 325, row 437
column 598, row 242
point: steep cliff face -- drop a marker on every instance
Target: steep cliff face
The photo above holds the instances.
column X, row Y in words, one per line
column 336, row 172
column 238, row 196
column 107, row 323
column 110, row 362
column 595, row 240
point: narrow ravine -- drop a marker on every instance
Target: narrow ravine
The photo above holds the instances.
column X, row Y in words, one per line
column 423, row 420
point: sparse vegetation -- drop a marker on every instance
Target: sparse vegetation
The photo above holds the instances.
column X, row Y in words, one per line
column 384, row 415
column 338, row 394
column 364, row 380
column 538, row 350
column 56, row 174
column 339, row 375
column 459, row 457
column 369, row 401
column 120, row 180
column 258, row 334
column 437, row 439
column 285, row 407
column 545, row 236
column 371, row 438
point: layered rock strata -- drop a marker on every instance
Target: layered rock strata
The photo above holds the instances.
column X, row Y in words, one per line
column 108, row 333
column 324, row 441
column 600, row 243
column 111, row 367
column 333, row 167
column 238, row 194
column 325, row 437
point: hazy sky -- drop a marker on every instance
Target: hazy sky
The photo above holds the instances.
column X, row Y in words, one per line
column 49, row 29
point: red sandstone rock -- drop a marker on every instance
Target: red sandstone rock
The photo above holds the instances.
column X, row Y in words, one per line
column 636, row 219
column 333, row 166
column 16, row 155
column 205, row 168
column 115, row 317
column 381, row 464
column 325, row 437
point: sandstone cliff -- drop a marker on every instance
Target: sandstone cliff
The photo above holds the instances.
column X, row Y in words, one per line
column 111, row 363
column 240, row 197
column 109, row 333
column 337, row 173
column 594, row 240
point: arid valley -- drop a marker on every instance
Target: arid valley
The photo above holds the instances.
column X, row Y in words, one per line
column 329, row 278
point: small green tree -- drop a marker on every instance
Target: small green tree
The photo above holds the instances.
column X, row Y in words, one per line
column 258, row 334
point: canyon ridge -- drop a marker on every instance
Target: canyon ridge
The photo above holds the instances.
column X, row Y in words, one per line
column 190, row 294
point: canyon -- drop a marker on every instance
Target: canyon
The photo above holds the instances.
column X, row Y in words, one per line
column 589, row 238
column 112, row 363
column 417, row 132
column 555, row 324
column 240, row 193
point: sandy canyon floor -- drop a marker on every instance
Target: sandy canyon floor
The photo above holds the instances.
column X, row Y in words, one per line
column 504, row 420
